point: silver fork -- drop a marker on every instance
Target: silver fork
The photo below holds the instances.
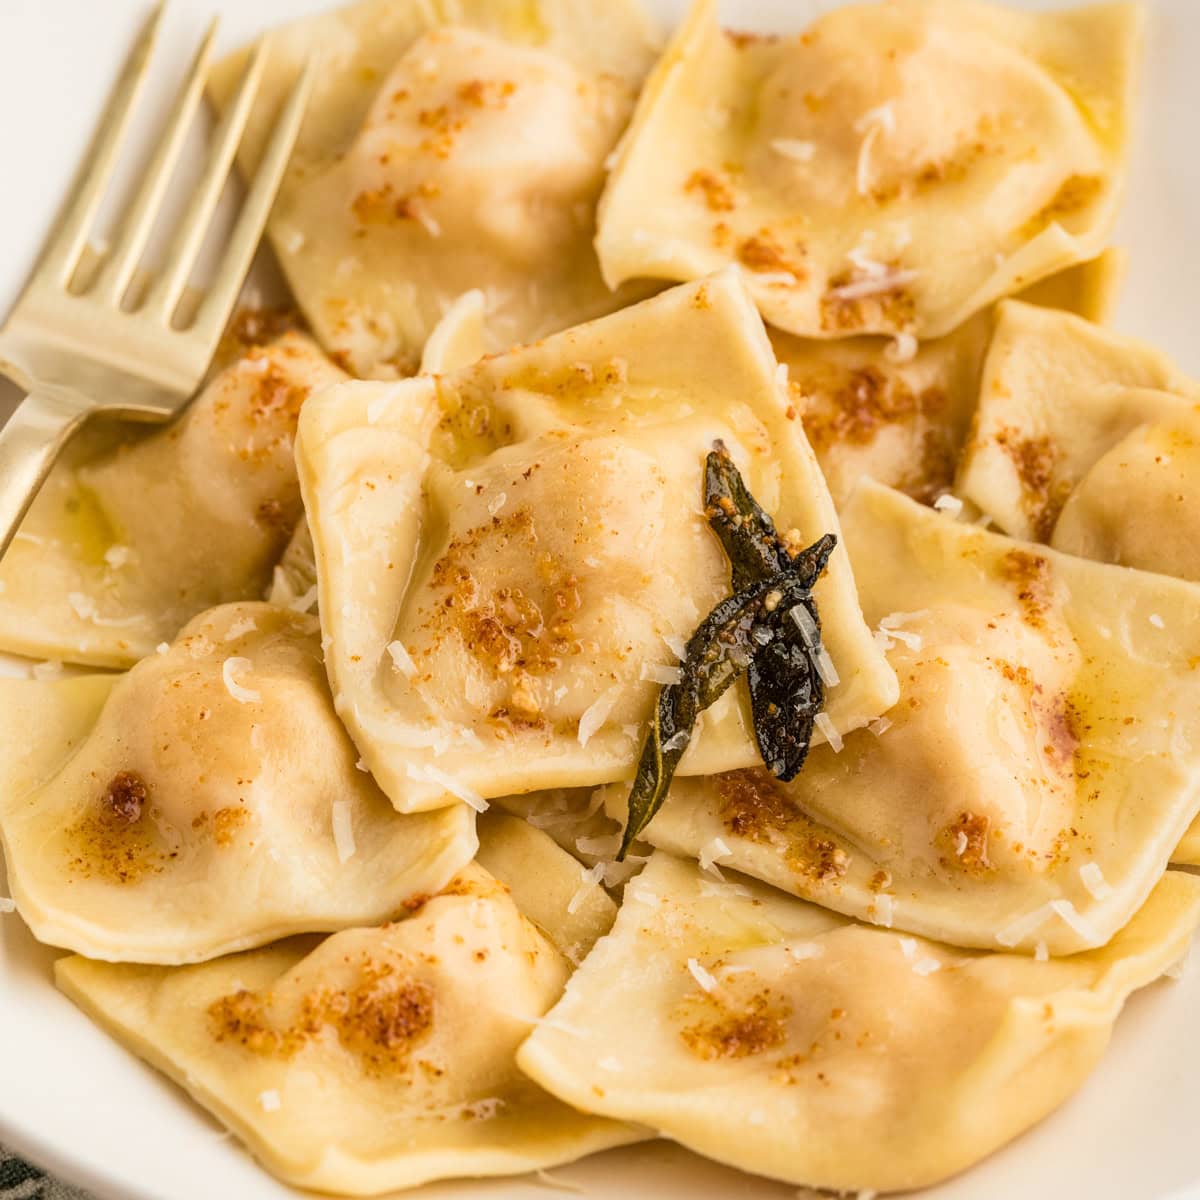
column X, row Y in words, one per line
column 80, row 354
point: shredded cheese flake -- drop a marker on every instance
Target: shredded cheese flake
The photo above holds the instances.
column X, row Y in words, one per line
column 946, row 503
column 401, row 659
column 591, row 881
column 50, row 669
column 7, row 905
column 661, row 673
column 1040, row 952
column 806, row 950
column 1092, row 878
column 705, row 979
column 304, row 603
column 712, row 852
column 269, row 1100
column 676, row 644
column 875, row 285
column 456, row 787
column 797, row 149
column 596, row 713
column 903, row 348
column 827, row 727
column 885, row 910
column 1157, row 621
column 880, row 726
column 230, row 669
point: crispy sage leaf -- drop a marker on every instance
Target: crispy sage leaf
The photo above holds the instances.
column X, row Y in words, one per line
column 769, row 628
column 720, row 650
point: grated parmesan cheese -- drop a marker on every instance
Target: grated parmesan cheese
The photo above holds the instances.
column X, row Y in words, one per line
column 455, row 787
column 677, row 741
column 401, row 659
column 50, row 669
column 806, row 950
column 676, row 645
column 233, row 667
column 591, row 881
column 827, row 727
column 161, row 648
column 705, row 979
column 947, row 503
column 85, row 609
column 926, row 966
column 343, row 830
column 1093, row 879
column 7, row 905
column 885, row 910
column 1070, row 916
column 661, row 673
column 712, row 852
column 304, row 603
column 1157, row 621
column 797, row 149
column 903, row 348
column 596, row 713
column 497, row 503
column 240, row 627
column 880, row 726
column 1019, row 929
column 270, row 1101
column 876, row 285
column 1040, row 952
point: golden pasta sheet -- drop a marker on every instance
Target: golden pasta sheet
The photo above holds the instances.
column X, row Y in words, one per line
column 447, row 147
column 1030, row 785
column 780, row 1038
column 894, row 169
column 377, row 1059
column 127, row 541
column 207, row 801
column 510, row 556
column 899, row 410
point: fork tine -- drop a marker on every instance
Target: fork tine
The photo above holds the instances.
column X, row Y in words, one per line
column 62, row 254
column 185, row 245
column 217, row 305
column 136, row 227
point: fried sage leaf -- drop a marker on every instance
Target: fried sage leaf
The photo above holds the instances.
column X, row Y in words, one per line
column 786, row 692
column 769, row 628
column 721, row 649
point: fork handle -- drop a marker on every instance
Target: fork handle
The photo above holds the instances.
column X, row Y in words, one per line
column 30, row 441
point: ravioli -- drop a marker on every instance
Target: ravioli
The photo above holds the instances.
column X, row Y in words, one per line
column 377, row 1059
column 894, row 169
column 570, row 907
column 1068, row 410
column 456, row 341
column 510, row 556
column 777, row 1037
column 448, row 146
column 575, row 820
column 899, row 412
column 127, row 542
column 205, row 802
column 1042, row 763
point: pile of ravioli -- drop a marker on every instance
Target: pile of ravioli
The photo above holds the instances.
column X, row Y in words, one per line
column 371, row 637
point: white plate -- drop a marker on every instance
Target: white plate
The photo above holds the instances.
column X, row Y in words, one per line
column 76, row 1102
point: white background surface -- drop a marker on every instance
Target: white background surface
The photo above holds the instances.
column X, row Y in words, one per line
column 75, row 1101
